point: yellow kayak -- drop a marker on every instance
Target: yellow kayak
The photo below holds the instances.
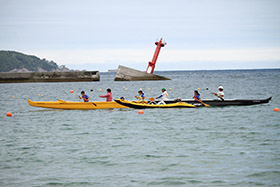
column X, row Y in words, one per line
column 60, row 104
column 146, row 104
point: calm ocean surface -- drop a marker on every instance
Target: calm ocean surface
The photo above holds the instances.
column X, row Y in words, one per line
column 216, row 146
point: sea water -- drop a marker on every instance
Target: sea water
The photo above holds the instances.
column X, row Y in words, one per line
column 216, row 146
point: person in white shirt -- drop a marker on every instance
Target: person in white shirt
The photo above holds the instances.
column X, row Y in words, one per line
column 163, row 96
column 220, row 94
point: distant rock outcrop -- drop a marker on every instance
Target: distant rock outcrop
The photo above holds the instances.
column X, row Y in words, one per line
column 11, row 61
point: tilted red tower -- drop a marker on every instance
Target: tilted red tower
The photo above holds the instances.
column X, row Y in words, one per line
column 152, row 64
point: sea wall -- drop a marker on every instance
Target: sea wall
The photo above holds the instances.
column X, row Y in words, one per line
column 75, row 76
column 129, row 74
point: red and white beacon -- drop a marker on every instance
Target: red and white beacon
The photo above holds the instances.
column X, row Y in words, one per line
column 151, row 65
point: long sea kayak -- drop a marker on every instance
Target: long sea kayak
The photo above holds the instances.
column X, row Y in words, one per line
column 60, row 104
column 146, row 104
column 225, row 102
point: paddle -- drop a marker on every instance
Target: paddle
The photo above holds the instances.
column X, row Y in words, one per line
column 152, row 99
column 61, row 101
column 206, row 105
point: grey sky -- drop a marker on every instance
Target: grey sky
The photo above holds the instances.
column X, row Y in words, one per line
column 99, row 34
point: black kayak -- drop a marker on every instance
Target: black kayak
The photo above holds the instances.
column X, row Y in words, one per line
column 225, row 102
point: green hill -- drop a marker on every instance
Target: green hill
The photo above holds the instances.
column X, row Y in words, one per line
column 15, row 61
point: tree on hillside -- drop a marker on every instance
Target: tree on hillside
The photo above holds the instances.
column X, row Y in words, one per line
column 10, row 60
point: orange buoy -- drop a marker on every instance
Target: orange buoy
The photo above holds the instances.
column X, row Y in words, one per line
column 276, row 109
column 72, row 91
column 9, row 114
column 140, row 112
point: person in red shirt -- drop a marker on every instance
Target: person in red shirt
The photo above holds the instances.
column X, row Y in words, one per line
column 108, row 95
column 197, row 96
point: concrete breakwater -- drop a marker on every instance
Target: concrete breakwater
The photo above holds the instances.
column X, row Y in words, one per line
column 130, row 74
column 75, row 76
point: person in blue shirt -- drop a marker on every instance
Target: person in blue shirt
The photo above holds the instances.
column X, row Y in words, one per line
column 197, row 96
column 84, row 96
column 141, row 96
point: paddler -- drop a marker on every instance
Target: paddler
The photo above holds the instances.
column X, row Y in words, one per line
column 197, row 96
column 220, row 94
column 163, row 96
column 84, row 96
column 108, row 95
column 141, row 96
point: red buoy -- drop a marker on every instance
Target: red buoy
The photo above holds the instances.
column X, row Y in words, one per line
column 9, row 114
column 140, row 112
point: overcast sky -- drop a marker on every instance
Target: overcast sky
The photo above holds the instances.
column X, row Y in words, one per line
column 100, row 35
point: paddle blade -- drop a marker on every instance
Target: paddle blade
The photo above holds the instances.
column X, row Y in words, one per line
column 152, row 99
column 206, row 105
